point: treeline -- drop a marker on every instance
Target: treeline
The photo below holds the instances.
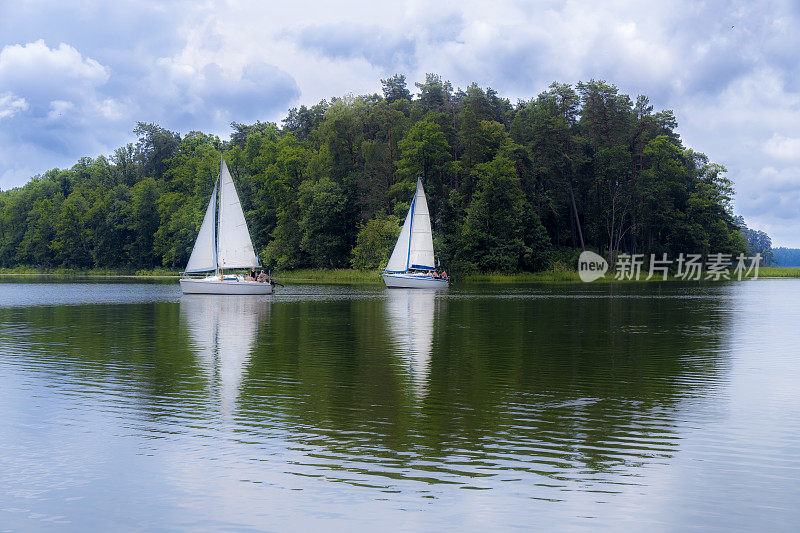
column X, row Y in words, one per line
column 758, row 242
column 510, row 186
column 786, row 257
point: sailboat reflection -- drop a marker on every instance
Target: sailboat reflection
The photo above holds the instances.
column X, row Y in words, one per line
column 410, row 314
column 223, row 330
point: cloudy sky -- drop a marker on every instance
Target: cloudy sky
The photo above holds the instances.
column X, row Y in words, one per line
column 76, row 76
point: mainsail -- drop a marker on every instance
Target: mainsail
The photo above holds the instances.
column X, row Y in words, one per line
column 414, row 248
column 204, row 253
column 421, row 247
column 234, row 247
column 228, row 245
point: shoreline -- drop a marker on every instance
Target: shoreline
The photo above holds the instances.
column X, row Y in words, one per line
column 373, row 277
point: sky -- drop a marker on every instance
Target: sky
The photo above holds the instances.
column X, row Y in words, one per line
column 75, row 77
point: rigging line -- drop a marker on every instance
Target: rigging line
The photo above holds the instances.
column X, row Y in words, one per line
column 215, row 231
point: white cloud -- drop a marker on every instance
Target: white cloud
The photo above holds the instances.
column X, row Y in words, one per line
column 11, row 104
column 34, row 68
column 59, row 108
column 52, row 81
column 783, row 148
column 771, row 179
column 111, row 109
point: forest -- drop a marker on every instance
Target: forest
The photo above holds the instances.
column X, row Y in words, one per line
column 511, row 186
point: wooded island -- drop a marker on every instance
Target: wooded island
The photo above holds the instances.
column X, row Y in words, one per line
column 511, row 187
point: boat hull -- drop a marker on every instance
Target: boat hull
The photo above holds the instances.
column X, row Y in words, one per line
column 413, row 281
column 217, row 286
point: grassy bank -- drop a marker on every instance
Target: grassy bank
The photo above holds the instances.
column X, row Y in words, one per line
column 339, row 275
column 91, row 273
column 309, row 275
column 547, row 276
column 565, row 276
column 778, row 272
column 369, row 276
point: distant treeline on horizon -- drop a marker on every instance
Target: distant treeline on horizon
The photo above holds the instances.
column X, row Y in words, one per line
column 511, row 187
column 786, row 257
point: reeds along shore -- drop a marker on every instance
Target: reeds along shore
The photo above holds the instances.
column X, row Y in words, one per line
column 346, row 275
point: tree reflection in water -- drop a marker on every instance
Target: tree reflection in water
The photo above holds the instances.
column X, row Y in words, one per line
column 404, row 385
column 409, row 388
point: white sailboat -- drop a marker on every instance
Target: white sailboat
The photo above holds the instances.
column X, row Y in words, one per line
column 223, row 244
column 412, row 264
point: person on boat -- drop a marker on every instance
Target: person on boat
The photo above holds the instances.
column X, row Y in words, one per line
column 262, row 277
column 444, row 274
column 252, row 276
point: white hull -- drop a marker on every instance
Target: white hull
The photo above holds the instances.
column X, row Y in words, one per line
column 228, row 286
column 413, row 281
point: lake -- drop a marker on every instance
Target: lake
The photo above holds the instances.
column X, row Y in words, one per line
column 126, row 406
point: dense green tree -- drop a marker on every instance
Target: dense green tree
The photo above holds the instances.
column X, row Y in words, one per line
column 493, row 231
column 537, row 245
column 195, row 166
column 144, row 222
column 36, row 245
column 342, row 132
column 375, row 242
column 424, row 152
column 435, row 94
column 177, row 230
column 125, row 169
column 155, row 147
column 613, row 186
column 323, row 224
column 301, row 122
column 242, row 132
column 546, row 128
column 758, row 242
column 71, row 245
column 114, row 236
column 284, row 250
column 394, row 88
column 606, row 115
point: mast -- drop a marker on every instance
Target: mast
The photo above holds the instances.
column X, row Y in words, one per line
column 216, row 220
column 410, row 229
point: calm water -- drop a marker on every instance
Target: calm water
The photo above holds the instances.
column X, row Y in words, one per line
column 124, row 406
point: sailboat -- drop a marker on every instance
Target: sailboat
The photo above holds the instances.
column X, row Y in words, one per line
column 223, row 243
column 412, row 265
